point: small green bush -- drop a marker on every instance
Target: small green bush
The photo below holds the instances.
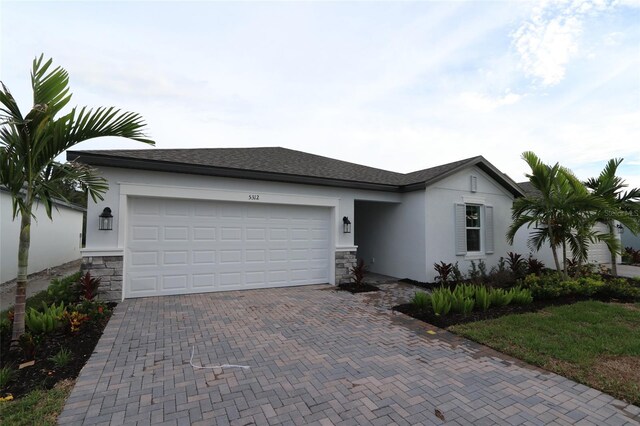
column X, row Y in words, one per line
column 61, row 358
column 441, row 301
column 421, row 300
column 6, row 374
column 500, row 297
column 520, row 296
column 483, row 301
column 45, row 322
column 588, row 286
column 620, row 288
column 5, row 326
column 64, row 290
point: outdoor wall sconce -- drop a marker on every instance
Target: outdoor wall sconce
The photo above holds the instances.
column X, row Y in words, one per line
column 105, row 220
column 620, row 228
column 346, row 225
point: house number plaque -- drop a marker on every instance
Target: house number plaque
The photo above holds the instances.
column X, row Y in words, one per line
column 254, row 197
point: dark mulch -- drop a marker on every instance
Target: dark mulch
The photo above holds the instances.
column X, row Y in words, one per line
column 493, row 312
column 44, row 374
column 358, row 288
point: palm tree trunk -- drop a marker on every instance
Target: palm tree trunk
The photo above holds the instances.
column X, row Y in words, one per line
column 21, row 285
column 565, row 272
column 614, row 266
column 554, row 250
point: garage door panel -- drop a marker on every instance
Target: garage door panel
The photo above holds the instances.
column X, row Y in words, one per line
column 188, row 246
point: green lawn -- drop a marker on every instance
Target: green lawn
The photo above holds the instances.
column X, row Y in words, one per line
column 594, row 343
column 39, row 407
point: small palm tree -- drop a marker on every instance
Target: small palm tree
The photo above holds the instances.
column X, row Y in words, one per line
column 561, row 213
column 30, row 144
column 623, row 207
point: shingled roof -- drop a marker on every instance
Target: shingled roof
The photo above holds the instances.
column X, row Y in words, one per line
column 281, row 164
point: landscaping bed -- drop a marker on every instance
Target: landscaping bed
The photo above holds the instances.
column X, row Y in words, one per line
column 357, row 288
column 63, row 326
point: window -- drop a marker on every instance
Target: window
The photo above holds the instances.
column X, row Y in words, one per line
column 473, row 229
column 473, row 225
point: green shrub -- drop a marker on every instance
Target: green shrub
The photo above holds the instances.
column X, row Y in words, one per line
column 520, row 296
column 64, row 290
column 62, row 358
column 46, row 321
column 483, row 301
column 620, row 288
column 5, row 326
column 457, row 275
column 441, row 301
column 588, row 286
column 6, row 374
column 421, row 300
column 499, row 297
column 462, row 298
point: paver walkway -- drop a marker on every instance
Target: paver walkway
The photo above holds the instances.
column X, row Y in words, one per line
column 315, row 356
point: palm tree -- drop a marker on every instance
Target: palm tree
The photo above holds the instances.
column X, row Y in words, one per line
column 623, row 207
column 30, row 144
column 560, row 213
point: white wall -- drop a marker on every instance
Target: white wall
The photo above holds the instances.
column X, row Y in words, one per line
column 111, row 240
column 52, row 242
column 630, row 240
column 393, row 235
column 440, row 229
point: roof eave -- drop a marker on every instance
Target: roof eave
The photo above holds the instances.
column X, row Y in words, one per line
column 171, row 167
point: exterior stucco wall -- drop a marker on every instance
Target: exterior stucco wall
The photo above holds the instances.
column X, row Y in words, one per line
column 52, row 242
column 630, row 240
column 390, row 236
column 440, row 229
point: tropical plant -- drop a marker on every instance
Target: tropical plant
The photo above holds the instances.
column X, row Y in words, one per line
column 45, row 322
column 358, row 272
column 6, row 374
column 483, row 301
column 30, row 144
column 457, row 275
column 64, row 289
column 534, row 266
column 516, row 263
column 421, row 300
column 623, row 207
column 88, row 286
column 562, row 212
column 441, row 301
column 444, row 271
column 61, row 358
column 520, row 296
column 500, row 297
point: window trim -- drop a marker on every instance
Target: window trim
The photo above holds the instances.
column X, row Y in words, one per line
column 480, row 230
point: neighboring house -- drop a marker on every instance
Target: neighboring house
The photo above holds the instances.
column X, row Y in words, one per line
column 52, row 242
column 201, row 220
column 598, row 252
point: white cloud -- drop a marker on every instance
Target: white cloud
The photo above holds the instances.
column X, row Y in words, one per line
column 485, row 103
column 551, row 37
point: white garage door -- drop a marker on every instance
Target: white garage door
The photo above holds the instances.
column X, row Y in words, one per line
column 599, row 252
column 192, row 246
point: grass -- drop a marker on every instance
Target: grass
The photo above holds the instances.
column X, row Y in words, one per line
column 41, row 407
column 594, row 343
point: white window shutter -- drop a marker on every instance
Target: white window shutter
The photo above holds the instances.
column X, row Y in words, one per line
column 461, row 229
column 488, row 229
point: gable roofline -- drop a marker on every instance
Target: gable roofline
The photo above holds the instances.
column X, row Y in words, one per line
column 271, row 164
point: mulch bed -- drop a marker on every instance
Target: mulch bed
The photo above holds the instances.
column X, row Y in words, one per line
column 44, row 374
column 444, row 321
column 358, row 288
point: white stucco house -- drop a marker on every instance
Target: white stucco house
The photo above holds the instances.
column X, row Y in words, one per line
column 201, row 220
column 53, row 242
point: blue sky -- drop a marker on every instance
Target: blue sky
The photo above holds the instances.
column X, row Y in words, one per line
column 396, row 85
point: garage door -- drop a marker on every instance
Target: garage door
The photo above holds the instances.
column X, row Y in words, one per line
column 188, row 246
column 599, row 252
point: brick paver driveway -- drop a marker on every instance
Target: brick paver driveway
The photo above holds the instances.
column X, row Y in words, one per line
column 315, row 356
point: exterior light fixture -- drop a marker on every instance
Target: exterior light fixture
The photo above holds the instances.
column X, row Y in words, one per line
column 346, row 225
column 105, row 220
column 620, row 228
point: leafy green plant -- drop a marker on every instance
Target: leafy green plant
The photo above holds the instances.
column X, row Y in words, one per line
column 46, row 321
column 421, row 300
column 474, row 273
column 441, row 301
column 620, row 288
column 64, row 290
column 358, row 272
column 89, row 285
column 61, row 358
column 6, row 374
column 483, row 301
column 462, row 298
column 5, row 326
column 444, row 271
column 631, row 256
column 520, row 296
column 457, row 275
column 482, row 268
column 499, row 297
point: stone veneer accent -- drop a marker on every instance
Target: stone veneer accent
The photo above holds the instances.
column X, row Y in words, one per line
column 345, row 260
column 109, row 270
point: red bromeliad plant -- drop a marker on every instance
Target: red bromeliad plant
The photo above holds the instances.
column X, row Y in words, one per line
column 358, row 272
column 88, row 286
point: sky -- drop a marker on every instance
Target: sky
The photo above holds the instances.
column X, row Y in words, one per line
column 400, row 86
